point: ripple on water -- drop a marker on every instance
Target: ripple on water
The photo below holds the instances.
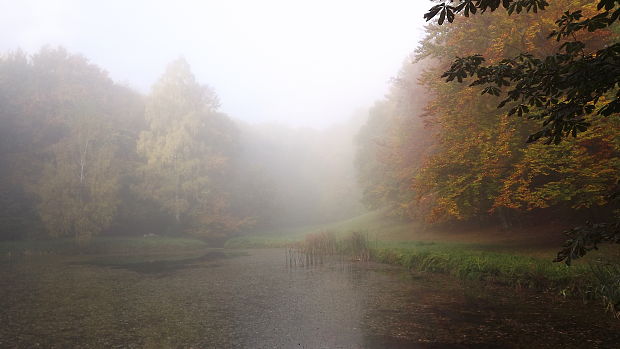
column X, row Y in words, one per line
column 252, row 300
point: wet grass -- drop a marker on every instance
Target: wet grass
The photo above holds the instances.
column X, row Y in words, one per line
column 467, row 262
column 497, row 263
column 588, row 280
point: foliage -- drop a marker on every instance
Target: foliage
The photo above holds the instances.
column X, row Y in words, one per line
column 392, row 144
column 578, row 172
column 561, row 89
column 477, row 168
column 187, row 148
column 81, row 155
column 68, row 126
column 586, row 238
column 567, row 92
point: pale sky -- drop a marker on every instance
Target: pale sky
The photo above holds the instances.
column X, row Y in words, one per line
column 300, row 63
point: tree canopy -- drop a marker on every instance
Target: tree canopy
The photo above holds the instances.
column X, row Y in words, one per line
column 564, row 91
column 561, row 90
column 461, row 159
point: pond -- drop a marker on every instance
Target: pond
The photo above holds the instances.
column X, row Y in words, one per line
column 251, row 299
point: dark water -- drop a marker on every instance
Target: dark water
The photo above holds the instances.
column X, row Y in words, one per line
column 252, row 300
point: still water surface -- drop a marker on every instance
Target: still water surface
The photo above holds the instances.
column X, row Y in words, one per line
column 252, row 300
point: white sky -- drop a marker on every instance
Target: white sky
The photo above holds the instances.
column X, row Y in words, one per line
column 301, row 63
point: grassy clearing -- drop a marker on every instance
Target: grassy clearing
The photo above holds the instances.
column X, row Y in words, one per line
column 374, row 225
column 378, row 227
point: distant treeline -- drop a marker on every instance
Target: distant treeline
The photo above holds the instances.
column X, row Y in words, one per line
column 82, row 155
column 443, row 153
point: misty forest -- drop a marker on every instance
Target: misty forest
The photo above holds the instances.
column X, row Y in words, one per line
column 474, row 202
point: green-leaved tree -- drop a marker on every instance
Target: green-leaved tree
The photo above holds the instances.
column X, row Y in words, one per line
column 187, row 148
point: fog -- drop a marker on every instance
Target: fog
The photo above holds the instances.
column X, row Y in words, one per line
column 236, row 116
column 300, row 63
column 290, row 82
column 309, row 174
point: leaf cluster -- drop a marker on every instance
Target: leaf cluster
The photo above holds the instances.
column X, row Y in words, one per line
column 560, row 90
column 448, row 9
column 584, row 239
column 564, row 91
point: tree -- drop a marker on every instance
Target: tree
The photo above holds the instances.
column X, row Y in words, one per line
column 561, row 89
column 564, row 91
column 392, row 144
column 79, row 182
column 187, row 148
column 18, row 217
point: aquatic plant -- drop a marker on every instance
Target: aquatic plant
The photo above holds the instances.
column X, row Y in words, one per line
column 317, row 247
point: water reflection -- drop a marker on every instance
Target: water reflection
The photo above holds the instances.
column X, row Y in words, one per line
column 257, row 301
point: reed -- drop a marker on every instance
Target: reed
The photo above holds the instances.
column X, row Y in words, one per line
column 316, row 248
column 313, row 250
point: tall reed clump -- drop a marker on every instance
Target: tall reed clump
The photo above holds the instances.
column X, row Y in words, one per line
column 316, row 248
column 313, row 250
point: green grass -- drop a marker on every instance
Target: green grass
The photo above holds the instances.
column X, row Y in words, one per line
column 377, row 227
column 521, row 259
column 468, row 262
column 372, row 224
column 586, row 278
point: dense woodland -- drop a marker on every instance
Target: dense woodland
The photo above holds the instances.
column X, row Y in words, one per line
column 82, row 155
column 444, row 152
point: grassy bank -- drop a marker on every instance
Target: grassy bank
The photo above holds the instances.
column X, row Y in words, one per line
column 515, row 259
column 588, row 279
column 464, row 261
column 470, row 263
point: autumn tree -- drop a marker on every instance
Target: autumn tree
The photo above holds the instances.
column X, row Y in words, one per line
column 393, row 144
column 187, row 148
column 18, row 216
column 458, row 158
column 566, row 91
column 65, row 120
